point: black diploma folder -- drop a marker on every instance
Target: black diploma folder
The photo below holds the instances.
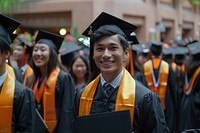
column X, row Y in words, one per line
column 39, row 124
column 109, row 122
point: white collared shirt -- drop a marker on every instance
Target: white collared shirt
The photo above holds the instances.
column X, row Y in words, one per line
column 2, row 78
column 115, row 83
column 23, row 68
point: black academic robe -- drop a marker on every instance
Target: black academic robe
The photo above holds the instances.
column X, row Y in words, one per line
column 64, row 101
column 148, row 112
column 18, row 75
column 180, row 80
column 140, row 77
column 170, row 100
column 189, row 112
column 23, row 109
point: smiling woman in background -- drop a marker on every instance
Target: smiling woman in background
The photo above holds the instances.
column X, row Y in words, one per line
column 79, row 70
column 53, row 88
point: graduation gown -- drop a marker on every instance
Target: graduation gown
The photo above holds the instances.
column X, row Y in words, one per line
column 171, row 101
column 180, row 80
column 140, row 77
column 64, row 101
column 148, row 113
column 189, row 112
column 18, row 75
column 23, row 109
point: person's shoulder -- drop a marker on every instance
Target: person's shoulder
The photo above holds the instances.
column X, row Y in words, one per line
column 63, row 75
column 20, row 89
column 143, row 92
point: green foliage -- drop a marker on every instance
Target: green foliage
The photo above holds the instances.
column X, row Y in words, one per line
column 74, row 32
column 196, row 2
column 6, row 4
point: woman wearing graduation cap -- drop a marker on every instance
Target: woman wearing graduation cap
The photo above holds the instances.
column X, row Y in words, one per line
column 17, row 106
column 53, row 88
column 112, row 88
column 189, row 112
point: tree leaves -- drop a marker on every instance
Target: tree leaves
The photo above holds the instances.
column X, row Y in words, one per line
column 197, row 2
column 6, row 4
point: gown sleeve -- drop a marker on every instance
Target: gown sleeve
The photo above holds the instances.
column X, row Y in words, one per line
column 23, row 109
column 148, row 114
column 65, row 104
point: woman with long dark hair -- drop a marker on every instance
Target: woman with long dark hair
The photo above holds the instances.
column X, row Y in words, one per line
column 79, row 70
column 53, row 88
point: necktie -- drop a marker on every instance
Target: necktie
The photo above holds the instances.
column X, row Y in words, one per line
column 107, row 89
column 22, row 72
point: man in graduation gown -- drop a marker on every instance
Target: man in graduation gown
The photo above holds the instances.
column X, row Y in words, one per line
column 22, row 54
column 114, row 89
column 189, row 112
column 160, row 79
column 17, row 107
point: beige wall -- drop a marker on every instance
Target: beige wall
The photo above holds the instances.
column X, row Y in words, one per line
column 146, row 14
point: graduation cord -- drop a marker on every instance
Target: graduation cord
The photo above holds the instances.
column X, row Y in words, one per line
column 156, row 83
column 186, row 82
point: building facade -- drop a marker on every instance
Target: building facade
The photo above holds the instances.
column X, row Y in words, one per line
column 159, row 20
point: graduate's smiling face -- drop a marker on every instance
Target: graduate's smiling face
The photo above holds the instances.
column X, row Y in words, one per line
column 79, row 68
column 109, row 55
column 40, row 55
column 3, row 57
column 18, row 53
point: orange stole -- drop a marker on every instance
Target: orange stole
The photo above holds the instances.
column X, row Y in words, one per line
column 161, row 90
column 189, row 88
column 131, row 63
column 125, row 97
column 10, row 70
column 29, row 72
column 49, row 100
column 6, row 104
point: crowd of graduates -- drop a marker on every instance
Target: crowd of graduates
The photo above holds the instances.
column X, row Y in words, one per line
column 61, row 79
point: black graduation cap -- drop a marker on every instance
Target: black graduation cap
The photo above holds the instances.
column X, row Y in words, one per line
column 180, row 51
column 195, row 50
column 69, row 48
column 136, row 48
column 193, row 45
column 51, row 39
column 168, row 51
column 158, row 44
column 133, row 39
column 26, row 44
column 13, row 36
column 7, row 27
column 107, row 19
column 140, row 48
